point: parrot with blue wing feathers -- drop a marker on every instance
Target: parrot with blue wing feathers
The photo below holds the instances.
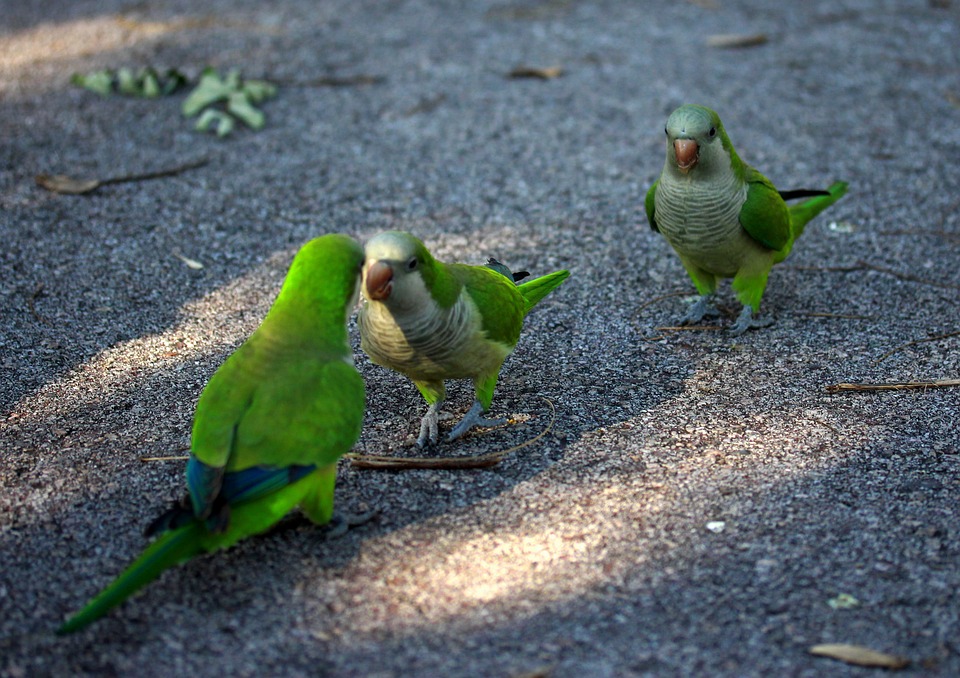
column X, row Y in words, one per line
column 269, row 426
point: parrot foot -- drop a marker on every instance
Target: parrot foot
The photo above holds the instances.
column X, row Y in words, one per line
column 473, row 418
column 429, row 431
column 341, row 523
column 746, row 321
column 703, row 306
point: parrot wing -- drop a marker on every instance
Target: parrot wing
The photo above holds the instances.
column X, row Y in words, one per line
column 500, row 304
column 764, row 215
column 650, row 204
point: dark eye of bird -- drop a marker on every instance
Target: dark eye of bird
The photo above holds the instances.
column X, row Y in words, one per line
column 666, row 131
column 412, row 264
column 713, row 131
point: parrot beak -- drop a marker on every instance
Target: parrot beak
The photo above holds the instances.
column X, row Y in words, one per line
column 379, row 281
column 688, row 152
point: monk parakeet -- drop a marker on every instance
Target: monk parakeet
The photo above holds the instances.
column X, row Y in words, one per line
column 269, row 426
column 724, row 218
column 433, row 321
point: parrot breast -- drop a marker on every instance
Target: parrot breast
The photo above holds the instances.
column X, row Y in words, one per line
column 701, row 221
column 430, row 343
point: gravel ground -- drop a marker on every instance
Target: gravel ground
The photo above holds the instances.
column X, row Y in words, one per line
column 587, row 553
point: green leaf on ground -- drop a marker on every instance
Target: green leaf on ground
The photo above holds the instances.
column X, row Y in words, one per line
column 220, row 101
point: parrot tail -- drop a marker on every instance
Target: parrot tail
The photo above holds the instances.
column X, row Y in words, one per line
column 803, row 212
column 168, row 550
column 535, row 290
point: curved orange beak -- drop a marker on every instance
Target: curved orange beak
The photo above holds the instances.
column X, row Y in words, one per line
column 688, row 152
column 379, row 281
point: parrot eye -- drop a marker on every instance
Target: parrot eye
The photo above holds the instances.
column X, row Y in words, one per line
column 713, row 131
column 666, row 131
column 412, row 264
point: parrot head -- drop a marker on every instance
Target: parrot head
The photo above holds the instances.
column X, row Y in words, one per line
column 696, row 139
column 398, row 271
column 327, row 270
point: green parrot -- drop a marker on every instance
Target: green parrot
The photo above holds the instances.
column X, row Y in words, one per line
column 269, row 426
column 433, row 321
column 724, row 218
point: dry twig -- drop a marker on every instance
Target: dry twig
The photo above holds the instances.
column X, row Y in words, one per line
column 846, row 316
column 865, row 266
column 691, row 328
column 335, row 81
column 893, row 386
column 912, row 343
column 651, row 302
column 388, row 463
column 32, row 304
column 60, row 183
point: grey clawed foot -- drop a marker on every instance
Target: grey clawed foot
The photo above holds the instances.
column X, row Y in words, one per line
column 703, row 306
column 746, row 321
column 341, row 523
column 429, row 432
column 473, row 418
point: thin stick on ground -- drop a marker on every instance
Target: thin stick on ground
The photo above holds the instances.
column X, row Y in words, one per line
column 946, row 235
column 32, row 304
column 913, row 343
column 651, row 302
column 846, row 316
column 159, row 174
column 388, row 463
column 864, row 266
column 335, row 81
column 894, row 386
column 691, row 328
column 71, row 186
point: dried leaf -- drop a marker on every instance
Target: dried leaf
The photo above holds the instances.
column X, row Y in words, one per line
column 547, row 73
column 61, row 183
column 842, row 226
column 191, row 263
column 736, row 40
column 844, row 601
column 859, row 656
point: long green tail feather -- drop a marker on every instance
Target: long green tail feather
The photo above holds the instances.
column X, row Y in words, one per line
column 802, row 213
column 535, row 290
column 168, row 550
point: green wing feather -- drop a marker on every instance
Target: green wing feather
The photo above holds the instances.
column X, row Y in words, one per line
column 764, row 215
column 499, row 301
column 287, row 424
column 650, row 203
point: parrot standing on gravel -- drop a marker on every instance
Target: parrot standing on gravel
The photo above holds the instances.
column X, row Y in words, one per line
column 433, row 321
column 724, row 218
column 269, row 426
